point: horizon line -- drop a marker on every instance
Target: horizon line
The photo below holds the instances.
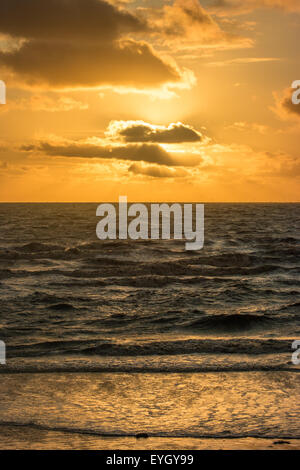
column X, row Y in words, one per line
column 150, row 202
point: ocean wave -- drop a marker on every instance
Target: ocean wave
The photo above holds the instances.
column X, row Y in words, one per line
column 154, row 347
column 8, row 254
column 62, row 307
column 38, row 247
column 183, row 363
column 162, row 257
column 6, row 273
column 124, row 270
column 289, row 306
column 231, row 322
column 229, row 260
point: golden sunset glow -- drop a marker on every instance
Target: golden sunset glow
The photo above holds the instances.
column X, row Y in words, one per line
column 174, row 100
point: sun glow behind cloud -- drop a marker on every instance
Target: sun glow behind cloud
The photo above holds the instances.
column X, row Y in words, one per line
column 143, row 97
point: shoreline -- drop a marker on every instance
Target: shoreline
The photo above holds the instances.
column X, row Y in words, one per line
column 121, row 411
column 140, row 371
column 16, row 437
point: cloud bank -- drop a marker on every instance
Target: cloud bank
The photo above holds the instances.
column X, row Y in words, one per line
column 140, row 131
column 132, row 152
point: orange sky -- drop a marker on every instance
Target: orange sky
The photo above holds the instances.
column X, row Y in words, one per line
column 157, row 100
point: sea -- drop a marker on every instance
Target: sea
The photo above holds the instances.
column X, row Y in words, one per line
column 124, row 337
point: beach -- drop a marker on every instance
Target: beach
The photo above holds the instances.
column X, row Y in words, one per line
column 236, row 410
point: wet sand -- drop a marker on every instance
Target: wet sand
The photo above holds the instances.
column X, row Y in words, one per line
column 104, row 411
column 12, row 437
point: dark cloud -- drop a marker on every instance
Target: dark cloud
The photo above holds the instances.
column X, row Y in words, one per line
column 140, row 152
column 80, row 43
column 284, row 106
column 175, row 133
column 66, row 19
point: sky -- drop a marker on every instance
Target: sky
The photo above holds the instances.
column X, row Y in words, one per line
column 179, row 100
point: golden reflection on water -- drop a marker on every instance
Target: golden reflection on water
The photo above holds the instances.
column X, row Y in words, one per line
column 203, row 404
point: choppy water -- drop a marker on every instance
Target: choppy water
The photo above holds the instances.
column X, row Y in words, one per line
column 69, row 301
column 210, row 405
